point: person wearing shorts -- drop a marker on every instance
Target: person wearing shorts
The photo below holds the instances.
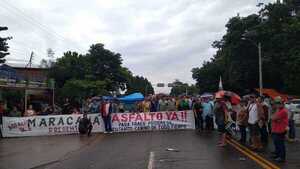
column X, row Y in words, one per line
column 220, row 112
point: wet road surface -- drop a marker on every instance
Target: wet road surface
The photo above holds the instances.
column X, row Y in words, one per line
column 133, row 151
column 139, row 150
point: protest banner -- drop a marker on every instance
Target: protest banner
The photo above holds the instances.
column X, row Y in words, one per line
column 173, row 120
column 121, row 122
column 46, row 125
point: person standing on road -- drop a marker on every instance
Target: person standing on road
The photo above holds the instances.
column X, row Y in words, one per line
column 30, row 111
column 197, row 109
column 279, row 126
column 242, row 121
column 263, row 119
column 66, row 107
column 93, row 107
column 184, row 104
column 106, row 115
column 253, row 124
column 146, row 105
column 208, row 113
column 153, row 107
column 85, row 125
column 291, row 116
column 1, row 115
column 221, row 115
column 114, row 106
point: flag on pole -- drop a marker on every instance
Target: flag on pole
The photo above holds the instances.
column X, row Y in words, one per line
column 220, row 84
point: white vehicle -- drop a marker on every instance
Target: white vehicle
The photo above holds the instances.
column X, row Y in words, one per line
column 294, row 105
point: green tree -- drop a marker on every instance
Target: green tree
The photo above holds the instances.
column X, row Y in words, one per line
column 139, row 84
column 3, row 45
column 99, row 72
column 47, row 63
column 71, row 66
column 236, row 60
column 103, row 64
column 180, row 88
column 76, row 90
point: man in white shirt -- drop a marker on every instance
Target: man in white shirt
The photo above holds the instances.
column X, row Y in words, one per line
column 253, row 124
column 291, row 117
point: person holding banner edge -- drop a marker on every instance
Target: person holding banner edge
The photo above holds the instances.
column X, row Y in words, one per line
column 197, row 109
column 106, row 110
column 85, row 125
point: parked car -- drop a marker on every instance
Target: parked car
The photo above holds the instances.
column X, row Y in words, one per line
column 294, row 105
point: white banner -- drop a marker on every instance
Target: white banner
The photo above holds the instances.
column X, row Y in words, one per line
column 46, row 125
column 121, row 122
column 173, row 120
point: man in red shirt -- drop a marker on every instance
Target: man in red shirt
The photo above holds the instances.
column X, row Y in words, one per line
column 279, row 126
column 106, row 111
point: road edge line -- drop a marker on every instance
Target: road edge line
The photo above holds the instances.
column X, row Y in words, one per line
column 151, row 161
column 255, row 154
column 265, row 166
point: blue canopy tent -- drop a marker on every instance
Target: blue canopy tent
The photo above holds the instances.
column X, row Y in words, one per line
column 207, row 95
column 132, row 98
column 108, row 98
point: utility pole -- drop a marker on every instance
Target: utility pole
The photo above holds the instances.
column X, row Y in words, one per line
column 258, row 45
column 30, row 60
column 146, row 90
column 27, row 80
column 186, row 90
column 260, row 69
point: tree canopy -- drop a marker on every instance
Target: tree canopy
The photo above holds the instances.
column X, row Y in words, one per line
column 3, row 45
column 139, row 84
column 98, row 72
column 236, row 59
column 180, row 88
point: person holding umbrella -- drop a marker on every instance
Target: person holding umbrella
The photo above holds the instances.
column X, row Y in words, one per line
column 221, row 114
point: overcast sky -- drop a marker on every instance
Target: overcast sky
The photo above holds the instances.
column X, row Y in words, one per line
column 159, row 39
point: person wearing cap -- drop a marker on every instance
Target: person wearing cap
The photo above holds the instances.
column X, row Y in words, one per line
column 221, row 116
column 85, row 125
column 208, row 114
column 279, row 126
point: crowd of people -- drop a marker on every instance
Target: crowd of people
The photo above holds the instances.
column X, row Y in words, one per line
column 262, row 117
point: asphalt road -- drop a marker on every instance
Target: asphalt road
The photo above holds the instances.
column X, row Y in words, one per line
column 149, row 149
column 140, row 150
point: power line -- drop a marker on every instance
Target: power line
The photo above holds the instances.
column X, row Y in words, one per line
column 34, row 21
column 21, row 44
column 28, row 47
column 26, row 21
column 31, row 20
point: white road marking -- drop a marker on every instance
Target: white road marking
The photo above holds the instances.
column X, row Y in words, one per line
column 151, row 161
